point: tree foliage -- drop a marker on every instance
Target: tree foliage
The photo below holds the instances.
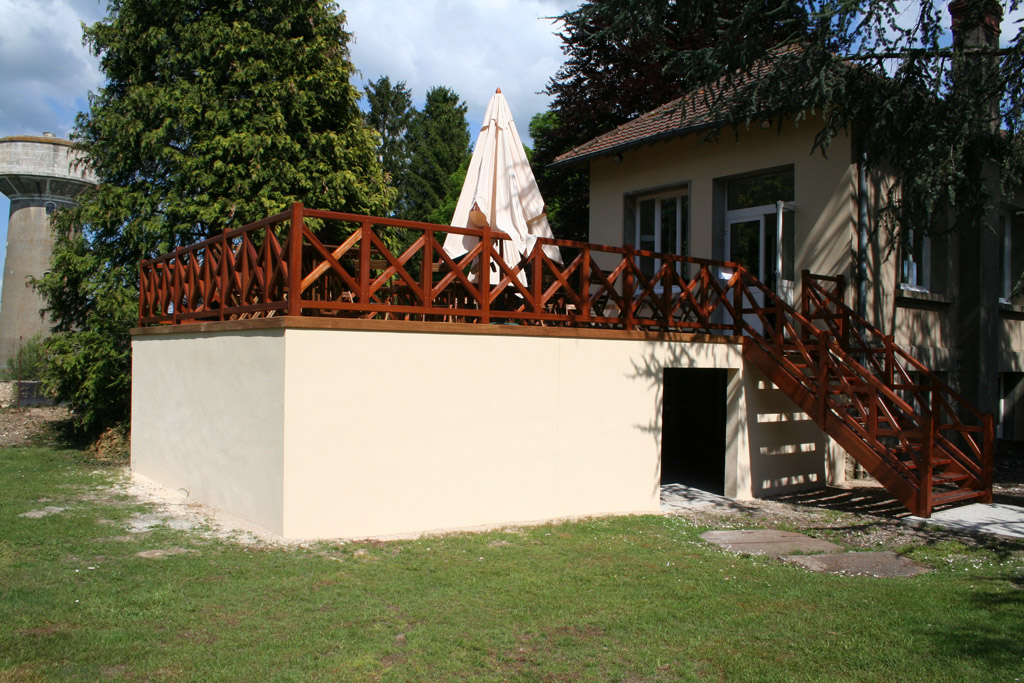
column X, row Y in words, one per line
column 391, row 114
column 439, row 148
column 936, row 114
column 214, row 113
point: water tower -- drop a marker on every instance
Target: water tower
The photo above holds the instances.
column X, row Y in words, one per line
column 39, row 174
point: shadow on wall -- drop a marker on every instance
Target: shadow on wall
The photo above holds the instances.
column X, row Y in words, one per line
column 650, row 369
column 787, row 449
column 768, row 446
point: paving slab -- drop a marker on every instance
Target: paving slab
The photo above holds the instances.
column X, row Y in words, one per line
column 883, row 564
column 768, row 542
column 980, row 518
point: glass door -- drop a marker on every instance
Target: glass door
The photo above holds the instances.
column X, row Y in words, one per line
column 746, row 244
column 660, row 228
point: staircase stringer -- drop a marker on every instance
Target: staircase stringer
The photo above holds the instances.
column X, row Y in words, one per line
column 870, row 407
column 902, row 489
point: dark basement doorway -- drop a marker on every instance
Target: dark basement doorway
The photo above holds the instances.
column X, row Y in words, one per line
column 693, row 417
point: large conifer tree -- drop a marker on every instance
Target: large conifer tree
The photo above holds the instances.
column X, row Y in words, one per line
column 439, row 149
column 214, row 113
column 391, row 114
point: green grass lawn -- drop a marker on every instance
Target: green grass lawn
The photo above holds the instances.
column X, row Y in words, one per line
column 631, row 599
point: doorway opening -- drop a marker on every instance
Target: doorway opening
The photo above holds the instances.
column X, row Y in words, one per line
column 693, row 428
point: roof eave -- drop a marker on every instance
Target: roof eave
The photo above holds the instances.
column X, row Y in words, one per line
column 633, row 144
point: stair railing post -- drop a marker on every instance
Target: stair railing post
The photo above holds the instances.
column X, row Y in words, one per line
column 890, row 360
column 844, row 320
column 988, row 427
column 926, row 464
column 537, row 281
column 176, row 275
column 822, row 378
column 585, row 281
column 485, row 276
column 223, row 272
column 628, row 286
column 873, row 415
column 737, row 302
column 805, row 292
column 427, row 269
column 294, row 261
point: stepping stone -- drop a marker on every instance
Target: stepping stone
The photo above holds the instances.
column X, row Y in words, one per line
column 883, row 564
column 158, row 554
column 45, row 512
column 768, row 542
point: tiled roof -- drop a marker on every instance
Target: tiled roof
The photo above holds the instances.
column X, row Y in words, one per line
column 683, row 115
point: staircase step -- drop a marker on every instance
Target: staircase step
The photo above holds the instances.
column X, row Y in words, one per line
column 947, row 497
column 937, row 463
column 949, row 478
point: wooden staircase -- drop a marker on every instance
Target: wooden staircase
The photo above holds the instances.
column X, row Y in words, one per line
column 901, row 422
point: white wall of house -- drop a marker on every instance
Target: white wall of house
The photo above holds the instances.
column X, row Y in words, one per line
column 367, row 430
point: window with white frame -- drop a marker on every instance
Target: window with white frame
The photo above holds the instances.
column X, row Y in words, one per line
column 1011, row 255
column 659, row 222
column 915, row 266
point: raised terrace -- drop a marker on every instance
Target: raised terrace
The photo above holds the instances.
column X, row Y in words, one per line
column 296, row 370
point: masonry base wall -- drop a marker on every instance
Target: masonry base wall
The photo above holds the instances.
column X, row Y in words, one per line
column 369, row 431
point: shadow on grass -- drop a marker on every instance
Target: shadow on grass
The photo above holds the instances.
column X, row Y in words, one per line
column 108, row 448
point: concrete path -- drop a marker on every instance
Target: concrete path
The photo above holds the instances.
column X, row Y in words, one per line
column 979, row 518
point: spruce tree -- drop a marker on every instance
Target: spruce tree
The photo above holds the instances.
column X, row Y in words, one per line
column 214, row 113
column 439, row 148
column 391, row 113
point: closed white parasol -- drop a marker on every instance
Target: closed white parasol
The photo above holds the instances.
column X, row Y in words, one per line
column 500, row 190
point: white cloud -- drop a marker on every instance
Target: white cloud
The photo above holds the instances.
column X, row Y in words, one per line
column 47, row 72
column 471, row 46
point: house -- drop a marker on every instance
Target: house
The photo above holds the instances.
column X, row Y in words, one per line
column 299, row 384
column 763, row 199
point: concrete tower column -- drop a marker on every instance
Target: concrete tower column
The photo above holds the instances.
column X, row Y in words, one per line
column 39, row 174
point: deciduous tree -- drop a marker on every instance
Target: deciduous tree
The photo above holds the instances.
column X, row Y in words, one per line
column 614, row 71
column 934, row 112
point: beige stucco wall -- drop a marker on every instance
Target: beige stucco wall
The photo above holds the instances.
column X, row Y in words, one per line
column 208, row 417
column 825, row 188
column 826, row 212
column 378, row 432
column 426, row 431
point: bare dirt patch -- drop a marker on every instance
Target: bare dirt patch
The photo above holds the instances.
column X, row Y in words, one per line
column 29, row 426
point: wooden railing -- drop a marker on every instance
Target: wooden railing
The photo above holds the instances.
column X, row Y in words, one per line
column 277, row 266
column 888, row 410
column 928, row 415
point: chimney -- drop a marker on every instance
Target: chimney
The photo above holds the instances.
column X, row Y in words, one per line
column 976, row 23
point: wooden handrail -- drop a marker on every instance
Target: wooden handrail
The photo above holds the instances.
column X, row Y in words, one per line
column 277, row 266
